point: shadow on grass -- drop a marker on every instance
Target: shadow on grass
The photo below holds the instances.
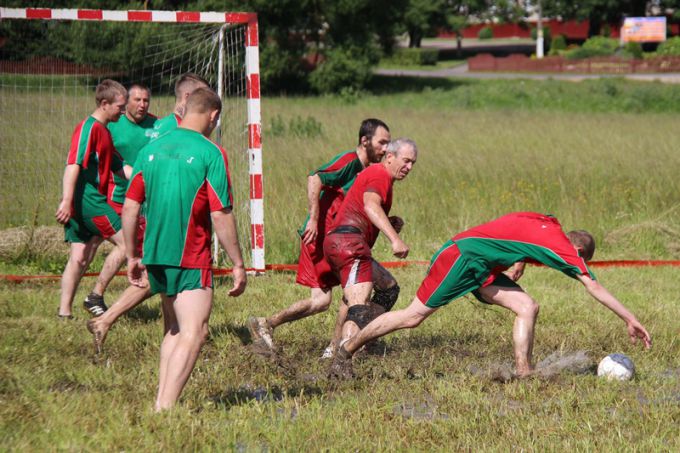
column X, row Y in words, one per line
column 248, row 392
column 145, row 313
column 238, row 330
column 382, row 84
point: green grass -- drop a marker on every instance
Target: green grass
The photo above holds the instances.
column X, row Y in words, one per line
column 601, row 155
column 428, row 391
column 447, row 64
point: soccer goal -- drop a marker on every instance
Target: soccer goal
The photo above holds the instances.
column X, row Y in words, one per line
column 51, row 60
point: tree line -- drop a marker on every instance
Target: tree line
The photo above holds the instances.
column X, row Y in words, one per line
column 319, row 45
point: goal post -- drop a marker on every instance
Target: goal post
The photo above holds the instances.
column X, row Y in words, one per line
column 51, row 60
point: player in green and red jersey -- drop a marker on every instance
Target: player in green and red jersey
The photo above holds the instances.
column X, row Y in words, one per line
column 183, row 178
column 361, row 217
column 84, row 209
column 130, row 134
column 326, row 187
column 184, row 86
column 474, row 261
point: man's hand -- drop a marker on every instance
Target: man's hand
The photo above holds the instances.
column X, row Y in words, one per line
column 136, row 272
column 311, row 232
column 637, row 330
column 64, row 212
column 240, row 280
column 516, row 271
column 399, row 248
column 397, row 223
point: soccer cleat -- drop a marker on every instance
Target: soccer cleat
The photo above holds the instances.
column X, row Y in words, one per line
column 261, row 332
column 341, row 368
column 94, row 304
column 328, row 352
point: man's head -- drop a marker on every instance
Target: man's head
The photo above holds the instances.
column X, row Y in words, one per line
column 203, row 109
column 400, row 157
column 374, row 136
column 584, row 243
column 184, row 86
column 139, row 98
column 110, row 97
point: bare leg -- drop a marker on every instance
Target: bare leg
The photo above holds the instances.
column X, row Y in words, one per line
column 407, row 318
column 526, row 311
column 192, row 311
column 79, row 259
column 171, row 334
column 112, row 264
column 130, row 298
column 319, row 301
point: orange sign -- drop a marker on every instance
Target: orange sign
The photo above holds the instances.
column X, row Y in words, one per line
column 643, row 29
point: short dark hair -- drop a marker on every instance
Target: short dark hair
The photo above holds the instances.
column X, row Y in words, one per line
column 186, row 80
column 139, row 86
column 583, row 240
column 203, row 100
column 108, row 90
column 369, row 126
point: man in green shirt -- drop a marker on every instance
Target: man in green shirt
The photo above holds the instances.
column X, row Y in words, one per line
column 183, row 178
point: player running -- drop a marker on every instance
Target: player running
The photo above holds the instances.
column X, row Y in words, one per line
column 474, row 261
column 361, row 217
column 84, row 210
column 184, row 179
column 326, row 188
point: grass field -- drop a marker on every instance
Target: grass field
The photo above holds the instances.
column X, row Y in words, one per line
column 600, row 155
column 428, row 390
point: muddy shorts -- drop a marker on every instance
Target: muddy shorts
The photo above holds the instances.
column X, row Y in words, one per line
column 349, row 256
column 313, row 268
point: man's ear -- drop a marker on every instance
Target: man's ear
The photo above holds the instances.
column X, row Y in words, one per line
column 214, row 115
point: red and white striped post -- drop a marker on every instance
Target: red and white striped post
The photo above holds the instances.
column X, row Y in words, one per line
column 253, row 86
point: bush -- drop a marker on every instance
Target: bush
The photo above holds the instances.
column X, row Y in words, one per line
column 558, row 45
column 414, row 57
column 633, row 50
column 597, row 46
column 341, row 70
column 485, row 33
column 601, row 46
column 669, row 47
column 546, row 34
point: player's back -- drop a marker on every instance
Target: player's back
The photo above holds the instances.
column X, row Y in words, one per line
column 175, row 169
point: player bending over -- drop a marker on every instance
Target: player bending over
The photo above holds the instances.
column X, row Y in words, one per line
column 326, row 188
column 184, row 179
column 85, row 212
column 361, row 217
column 474, row 261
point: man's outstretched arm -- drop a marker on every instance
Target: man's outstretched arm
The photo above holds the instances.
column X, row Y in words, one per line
column 600, row 293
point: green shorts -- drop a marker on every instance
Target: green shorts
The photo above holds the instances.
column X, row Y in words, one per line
column 452, row 275
column 172, row 280
column 92, row 219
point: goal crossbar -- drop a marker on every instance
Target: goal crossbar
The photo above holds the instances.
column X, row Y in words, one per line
column 252, row 70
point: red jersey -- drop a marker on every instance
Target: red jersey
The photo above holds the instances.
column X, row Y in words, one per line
column 374, row 179
column 522, row 236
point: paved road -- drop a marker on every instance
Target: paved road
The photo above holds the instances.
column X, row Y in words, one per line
column 463, row 72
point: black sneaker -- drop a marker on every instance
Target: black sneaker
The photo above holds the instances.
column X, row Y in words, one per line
column 94, row 304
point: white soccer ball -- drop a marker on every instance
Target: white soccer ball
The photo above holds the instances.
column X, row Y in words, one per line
column 616, row 366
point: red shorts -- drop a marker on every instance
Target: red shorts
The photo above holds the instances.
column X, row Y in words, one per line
column 349, row 255
column 313, row 269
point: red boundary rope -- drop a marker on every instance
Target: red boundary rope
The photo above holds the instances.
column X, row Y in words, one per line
column 387, row 264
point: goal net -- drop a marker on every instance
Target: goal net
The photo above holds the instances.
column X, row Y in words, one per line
column 52, row 59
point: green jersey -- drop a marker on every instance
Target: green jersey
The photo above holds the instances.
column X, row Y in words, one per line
column 183, row 177
column 166, row 124
column 128, row 138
